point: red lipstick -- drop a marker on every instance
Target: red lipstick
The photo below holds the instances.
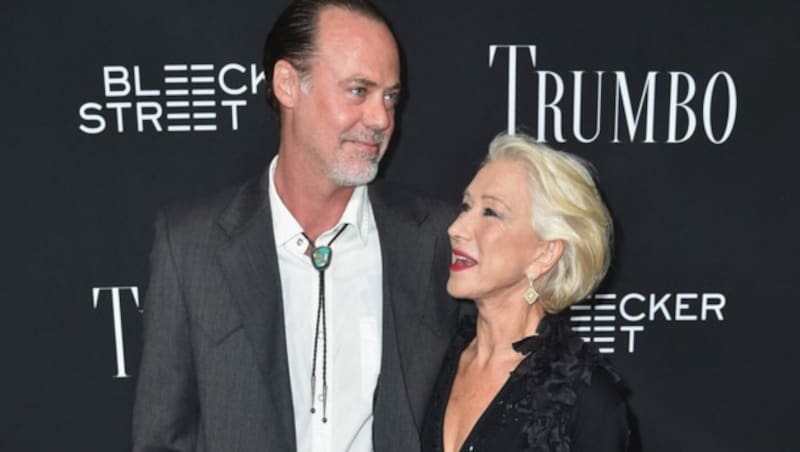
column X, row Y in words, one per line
column 461, row 261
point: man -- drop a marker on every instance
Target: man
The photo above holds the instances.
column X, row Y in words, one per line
column 303, row 311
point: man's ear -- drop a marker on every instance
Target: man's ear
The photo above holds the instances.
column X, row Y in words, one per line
column 285, row 83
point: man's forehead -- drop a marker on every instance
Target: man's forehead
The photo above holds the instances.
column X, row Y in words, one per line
column 343, row 26
column 354, row 46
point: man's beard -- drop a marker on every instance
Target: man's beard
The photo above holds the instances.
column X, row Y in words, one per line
column 343, row 173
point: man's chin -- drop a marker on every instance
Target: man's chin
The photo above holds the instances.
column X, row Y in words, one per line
column 355, row 177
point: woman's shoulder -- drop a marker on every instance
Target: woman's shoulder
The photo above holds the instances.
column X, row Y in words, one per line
column 584, row 392
column 557, row 352
column 600, row 416
column 604, row 392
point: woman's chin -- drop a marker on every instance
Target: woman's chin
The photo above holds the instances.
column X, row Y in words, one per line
column 456, row 290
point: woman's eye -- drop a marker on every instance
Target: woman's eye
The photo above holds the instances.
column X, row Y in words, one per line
column 489, row 212
column 464, row 207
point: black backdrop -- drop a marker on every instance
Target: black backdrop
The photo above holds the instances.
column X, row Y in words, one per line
column 698, row 312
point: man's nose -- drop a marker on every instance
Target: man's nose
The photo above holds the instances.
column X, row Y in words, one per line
column 378, row 116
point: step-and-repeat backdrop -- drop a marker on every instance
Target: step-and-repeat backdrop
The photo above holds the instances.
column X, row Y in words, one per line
column 688, row 110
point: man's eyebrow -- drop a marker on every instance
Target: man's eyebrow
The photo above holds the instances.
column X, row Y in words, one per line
column 368, row 83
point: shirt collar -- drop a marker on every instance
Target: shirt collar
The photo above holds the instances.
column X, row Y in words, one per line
column 357, row 213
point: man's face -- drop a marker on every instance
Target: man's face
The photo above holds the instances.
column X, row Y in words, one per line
column 344, row 116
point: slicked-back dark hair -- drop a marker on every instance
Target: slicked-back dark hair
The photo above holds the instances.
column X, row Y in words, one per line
column 292, row 37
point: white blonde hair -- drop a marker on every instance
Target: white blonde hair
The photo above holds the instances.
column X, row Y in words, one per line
column 568, row 207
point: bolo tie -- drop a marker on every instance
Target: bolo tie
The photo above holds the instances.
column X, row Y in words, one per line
column 321, row 260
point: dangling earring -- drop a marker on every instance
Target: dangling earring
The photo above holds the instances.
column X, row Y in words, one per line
column 530, row 295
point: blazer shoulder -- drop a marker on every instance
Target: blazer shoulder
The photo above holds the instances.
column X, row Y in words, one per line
column 423, row 208
column 188, row 218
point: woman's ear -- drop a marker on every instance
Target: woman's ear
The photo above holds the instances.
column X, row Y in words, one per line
column 549, row 254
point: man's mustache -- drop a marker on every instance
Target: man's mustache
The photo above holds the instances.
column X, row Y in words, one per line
column 375, row 137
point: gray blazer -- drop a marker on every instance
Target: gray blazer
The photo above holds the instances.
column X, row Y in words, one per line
column 214, row 373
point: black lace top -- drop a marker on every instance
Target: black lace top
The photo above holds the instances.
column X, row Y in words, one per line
column 562, row 397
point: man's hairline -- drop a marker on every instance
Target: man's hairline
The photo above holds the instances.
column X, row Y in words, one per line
column 309, row 60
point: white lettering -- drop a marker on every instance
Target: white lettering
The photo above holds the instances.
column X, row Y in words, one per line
column 512, row 79
column 234, row 104
column 256, row 77
column 732, row 105
column 86, row 116
column 659, row 306
column 648, row 98
column 122, row 79
column 224, row 85
column 137, row 83
column 153, row 117
column 116, row 312
column 712, row 302
column 623, row 307
column 577, row 103
column 544, row 105
column 674, row 103
column 631, row 330
column 118, row 106
column 681, row 307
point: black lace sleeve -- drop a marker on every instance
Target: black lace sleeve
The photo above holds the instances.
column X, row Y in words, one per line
column 600, row 422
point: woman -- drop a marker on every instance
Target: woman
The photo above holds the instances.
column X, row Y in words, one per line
column 532, row 239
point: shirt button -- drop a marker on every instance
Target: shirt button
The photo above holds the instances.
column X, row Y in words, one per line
column 299, row 242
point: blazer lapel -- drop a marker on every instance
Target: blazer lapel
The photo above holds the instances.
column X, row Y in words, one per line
column 407, row 258
column 250, row 264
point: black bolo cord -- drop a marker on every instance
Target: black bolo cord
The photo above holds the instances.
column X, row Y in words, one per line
column 321, row 260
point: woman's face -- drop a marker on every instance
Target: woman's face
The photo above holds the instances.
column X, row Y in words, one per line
column 494, row 245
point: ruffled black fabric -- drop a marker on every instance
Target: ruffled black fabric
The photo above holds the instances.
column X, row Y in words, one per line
column 558, row 364
column 541, row 392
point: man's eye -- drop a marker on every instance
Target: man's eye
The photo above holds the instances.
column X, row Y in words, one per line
column 358, row 91
column 464, row 207
column 391, row 99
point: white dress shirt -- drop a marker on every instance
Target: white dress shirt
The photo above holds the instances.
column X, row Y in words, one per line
column 353, row 305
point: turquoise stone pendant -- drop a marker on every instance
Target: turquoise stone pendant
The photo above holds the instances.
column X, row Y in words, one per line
column 321, row 257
